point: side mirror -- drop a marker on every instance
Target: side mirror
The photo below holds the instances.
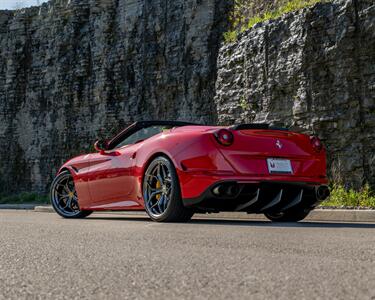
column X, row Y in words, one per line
column 101, row 145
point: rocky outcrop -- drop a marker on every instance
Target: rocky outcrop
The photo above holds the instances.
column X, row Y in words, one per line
column 313, row 70
column 73, row 69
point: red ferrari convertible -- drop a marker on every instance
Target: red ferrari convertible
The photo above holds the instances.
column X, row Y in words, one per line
column 175, row 169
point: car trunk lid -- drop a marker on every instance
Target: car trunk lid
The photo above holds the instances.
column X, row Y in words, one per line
column 253, row 147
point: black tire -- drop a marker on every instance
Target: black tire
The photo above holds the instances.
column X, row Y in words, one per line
column 173, row 209
column 73, row 211
column 293, row 215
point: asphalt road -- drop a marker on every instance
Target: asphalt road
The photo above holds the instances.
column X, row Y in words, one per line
column 111, row 256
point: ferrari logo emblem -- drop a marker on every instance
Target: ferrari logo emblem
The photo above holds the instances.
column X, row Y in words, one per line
column 279, row 144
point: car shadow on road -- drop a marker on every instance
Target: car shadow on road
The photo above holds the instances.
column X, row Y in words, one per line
column 248, row 223
column 304, row 224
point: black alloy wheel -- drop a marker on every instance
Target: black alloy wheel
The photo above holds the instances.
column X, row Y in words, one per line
column 64, row 197
column 161, row 193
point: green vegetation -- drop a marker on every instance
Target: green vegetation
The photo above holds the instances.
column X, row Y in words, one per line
column 230, row 36
column 24, row 198
column 245, row 15
column 244, row 104
column 341, row 197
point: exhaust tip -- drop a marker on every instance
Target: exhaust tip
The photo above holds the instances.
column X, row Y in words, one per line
column 216, row 191
column 322, row 192
column 226, row 190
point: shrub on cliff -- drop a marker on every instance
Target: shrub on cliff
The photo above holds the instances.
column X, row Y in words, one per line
column 247, row 13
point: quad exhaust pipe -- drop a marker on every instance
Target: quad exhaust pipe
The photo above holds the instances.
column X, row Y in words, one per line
column 226, row 190
column 322, row 192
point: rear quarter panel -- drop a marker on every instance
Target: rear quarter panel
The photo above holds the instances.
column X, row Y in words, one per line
column 189, row 150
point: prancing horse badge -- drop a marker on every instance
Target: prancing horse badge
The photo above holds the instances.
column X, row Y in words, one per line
column 279, row 144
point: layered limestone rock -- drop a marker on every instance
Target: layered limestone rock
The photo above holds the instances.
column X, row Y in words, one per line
column 313, row 70
column 73, row 69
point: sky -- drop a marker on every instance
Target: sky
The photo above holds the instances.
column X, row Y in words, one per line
column 11, row 4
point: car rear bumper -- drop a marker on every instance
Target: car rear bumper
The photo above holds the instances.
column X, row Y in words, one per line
column 259, row 196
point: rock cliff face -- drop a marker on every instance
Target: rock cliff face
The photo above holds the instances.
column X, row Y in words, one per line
column 313, row 70
column 70, row 69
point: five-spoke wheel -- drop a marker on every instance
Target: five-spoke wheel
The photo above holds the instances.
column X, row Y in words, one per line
column 64, row 197
column 161, row 193
column 158, row 188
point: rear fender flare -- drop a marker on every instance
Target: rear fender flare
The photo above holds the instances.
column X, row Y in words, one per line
column 145, row 165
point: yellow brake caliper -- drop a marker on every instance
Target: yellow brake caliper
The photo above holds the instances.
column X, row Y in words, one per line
column 158, row 186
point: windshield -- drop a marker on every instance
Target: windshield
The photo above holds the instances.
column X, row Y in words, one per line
column 142, row 134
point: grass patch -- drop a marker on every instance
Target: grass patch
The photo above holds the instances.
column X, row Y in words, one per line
column 24, row 198
column 230, row 36
column 341, row 197
column 243, row 19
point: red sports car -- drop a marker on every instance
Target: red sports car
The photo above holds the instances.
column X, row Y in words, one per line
column 175, row 169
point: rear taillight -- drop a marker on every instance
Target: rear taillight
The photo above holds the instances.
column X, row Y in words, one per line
column 316, row 143
column 224, row 137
